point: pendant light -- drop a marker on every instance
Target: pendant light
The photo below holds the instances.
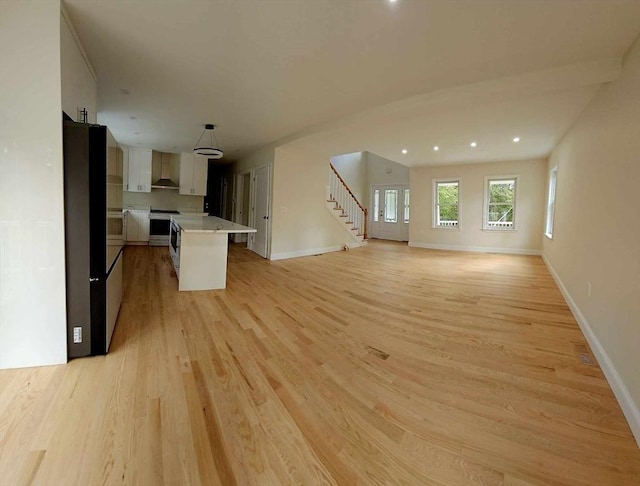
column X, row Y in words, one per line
column 209, row 150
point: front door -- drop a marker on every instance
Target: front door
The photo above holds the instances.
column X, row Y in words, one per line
column 390, row 212
column 260, row 187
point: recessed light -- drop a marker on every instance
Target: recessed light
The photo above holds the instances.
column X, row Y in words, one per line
column 516, row 139
column 436, row 148
column 473, row 144
column 404, row 151
column 392, row 1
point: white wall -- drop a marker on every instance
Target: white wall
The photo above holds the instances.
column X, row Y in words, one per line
column 383, row 171
column 530, row 204
column 32, row 265
column 79, row 88
column 301, row 222
column 353, row 170
column 260, row 158
column 596, row 234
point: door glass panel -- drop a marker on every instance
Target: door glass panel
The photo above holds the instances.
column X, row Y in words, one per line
column 376, row 204
column 391, row 205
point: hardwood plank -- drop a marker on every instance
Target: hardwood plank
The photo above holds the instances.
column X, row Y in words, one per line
column 381, row 365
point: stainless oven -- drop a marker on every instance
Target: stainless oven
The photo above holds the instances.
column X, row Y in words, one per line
column 159, row 221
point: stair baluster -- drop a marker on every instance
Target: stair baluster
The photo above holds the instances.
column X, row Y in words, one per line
column 347, row 203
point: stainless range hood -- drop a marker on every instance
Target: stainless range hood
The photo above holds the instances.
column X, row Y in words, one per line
column 165, row 181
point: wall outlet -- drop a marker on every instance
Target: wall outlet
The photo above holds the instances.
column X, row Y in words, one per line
column 77, row 335
column 588, row 289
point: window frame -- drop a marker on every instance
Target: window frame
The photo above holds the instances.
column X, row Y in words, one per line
column 551, row 202
column 435, row 204
column 406, row 205
column 485, row 209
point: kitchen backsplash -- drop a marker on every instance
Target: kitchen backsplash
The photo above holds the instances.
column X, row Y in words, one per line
column 162, row 199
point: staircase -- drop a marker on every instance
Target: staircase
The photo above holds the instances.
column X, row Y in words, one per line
column 346, row 208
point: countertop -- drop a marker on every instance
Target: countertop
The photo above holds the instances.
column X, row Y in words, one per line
column 209, row 224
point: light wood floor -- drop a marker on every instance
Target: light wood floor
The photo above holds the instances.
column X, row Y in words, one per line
column 382, row 365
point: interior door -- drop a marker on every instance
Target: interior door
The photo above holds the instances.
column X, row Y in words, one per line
column 390, row 212
column 261, row 184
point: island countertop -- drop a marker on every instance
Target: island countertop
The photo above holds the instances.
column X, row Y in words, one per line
column 209, row 224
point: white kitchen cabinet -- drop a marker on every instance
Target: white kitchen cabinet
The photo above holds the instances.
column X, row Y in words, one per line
column 193, row 175
column 138, row 163
column 137, row 226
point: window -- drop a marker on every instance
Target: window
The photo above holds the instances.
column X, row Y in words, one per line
column 406, row 205
column 551, row 202
column 390, row 205
column 376, row 205
column 446, row 195
column 500, row 203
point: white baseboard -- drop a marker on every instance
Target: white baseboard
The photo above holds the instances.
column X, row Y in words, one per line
column 629, row 408
column 302, row 253
column 479, row 249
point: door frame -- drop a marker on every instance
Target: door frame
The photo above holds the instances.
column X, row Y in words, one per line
column 253, row 188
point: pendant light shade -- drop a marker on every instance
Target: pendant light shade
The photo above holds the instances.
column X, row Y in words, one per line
column 209, row 150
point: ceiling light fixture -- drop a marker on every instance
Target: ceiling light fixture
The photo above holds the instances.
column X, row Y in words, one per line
column 210, row 150
column 473, row 144
column 436, row 148
column 516, row 139
column 404, row 151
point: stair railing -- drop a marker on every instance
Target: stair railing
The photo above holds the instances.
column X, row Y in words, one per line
column 345, row 200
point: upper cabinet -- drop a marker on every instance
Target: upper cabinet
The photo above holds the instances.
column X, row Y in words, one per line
column 137, row 163
column 114, row 174
column 193, row 175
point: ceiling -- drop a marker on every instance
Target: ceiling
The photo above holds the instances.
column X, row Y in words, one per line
column 351, row 75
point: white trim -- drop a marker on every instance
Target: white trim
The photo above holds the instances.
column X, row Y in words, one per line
column 479, row 249
column 629, row 408
column 310, row 252
column 74, row 34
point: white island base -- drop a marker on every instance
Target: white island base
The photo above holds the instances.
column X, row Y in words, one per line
column 203, row 261
column 204, row 244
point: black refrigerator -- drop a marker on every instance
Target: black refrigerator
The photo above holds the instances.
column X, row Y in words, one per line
column 93, row 236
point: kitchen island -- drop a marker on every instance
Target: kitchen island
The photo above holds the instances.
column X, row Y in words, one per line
column 199, row 247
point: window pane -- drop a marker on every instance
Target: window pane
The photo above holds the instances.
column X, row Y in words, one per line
column 447, row 204
column 500, row 215
column 502, row 191
column 406, row 205
column 500, row 199
column 448, row 215
column 551, row 202
column 376, row 205
column 391, row 205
